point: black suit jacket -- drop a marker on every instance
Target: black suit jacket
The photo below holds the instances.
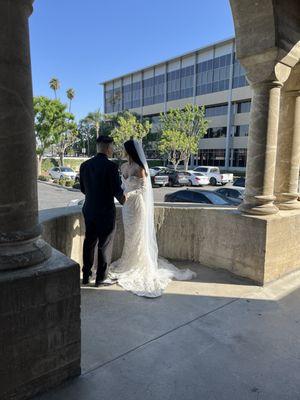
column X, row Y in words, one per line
column 100, row 182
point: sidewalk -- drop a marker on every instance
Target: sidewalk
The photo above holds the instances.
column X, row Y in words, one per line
column 216, row 338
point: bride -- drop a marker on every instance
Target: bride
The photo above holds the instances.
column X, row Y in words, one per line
column 139, row 269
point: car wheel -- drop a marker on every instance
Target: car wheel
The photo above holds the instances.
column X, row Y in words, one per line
column 190, row 183
column 213, row 181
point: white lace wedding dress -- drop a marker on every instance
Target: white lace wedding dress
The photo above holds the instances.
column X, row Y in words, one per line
column 139, row 269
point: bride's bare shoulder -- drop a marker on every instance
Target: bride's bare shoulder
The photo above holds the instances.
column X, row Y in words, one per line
column 140, row 172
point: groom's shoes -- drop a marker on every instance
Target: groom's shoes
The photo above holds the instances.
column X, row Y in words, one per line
column 99, row 280
column 86, row 278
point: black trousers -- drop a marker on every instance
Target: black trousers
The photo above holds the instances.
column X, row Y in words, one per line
column 102, row 232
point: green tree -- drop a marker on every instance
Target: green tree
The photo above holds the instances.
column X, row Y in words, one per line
column 70, row 95
column 172, row 144
column 67, row 136
column 129, row 127
column 55, row 86
column 53, row 126
column 87, row 137
column 190, row 125
column 95, row 119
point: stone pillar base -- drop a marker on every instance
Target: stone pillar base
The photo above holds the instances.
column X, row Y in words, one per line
column 24, row 254
column 264, row 206
column 40, row 327
column 289, row 201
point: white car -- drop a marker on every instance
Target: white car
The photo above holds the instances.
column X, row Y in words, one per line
column 214, row 175
column 198, row 179
column 155, row 170
column 62, row 173
column 80, row 202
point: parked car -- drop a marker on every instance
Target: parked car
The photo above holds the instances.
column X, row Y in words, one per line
column 155, row 170
column 214, row 175
column 179, row 178
column 80, row 202
column 76, row 202
column 198, row 196
column 236, row 194
column 161, row 178
column 239, row 182
column 198, row 179
column 62, row 173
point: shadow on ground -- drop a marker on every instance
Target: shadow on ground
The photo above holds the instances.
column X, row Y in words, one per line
column 217, row 338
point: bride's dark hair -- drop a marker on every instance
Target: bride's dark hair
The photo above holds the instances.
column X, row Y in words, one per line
column 131, row 151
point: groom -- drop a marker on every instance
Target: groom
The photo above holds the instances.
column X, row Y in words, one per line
column 100, row 182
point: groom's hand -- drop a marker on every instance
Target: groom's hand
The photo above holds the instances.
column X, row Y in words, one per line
column 122, row 199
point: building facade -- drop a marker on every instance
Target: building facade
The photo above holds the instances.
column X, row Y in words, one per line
column 210, row 76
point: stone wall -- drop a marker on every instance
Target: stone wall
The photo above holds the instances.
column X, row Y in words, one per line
column 248, row 246
column 39, row 327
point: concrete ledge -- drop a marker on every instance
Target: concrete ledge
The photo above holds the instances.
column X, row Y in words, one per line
column 258, row 248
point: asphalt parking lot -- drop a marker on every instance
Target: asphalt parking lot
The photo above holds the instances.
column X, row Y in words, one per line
column 51, row 196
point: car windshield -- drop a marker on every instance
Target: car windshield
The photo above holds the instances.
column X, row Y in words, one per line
column 215, row 199
column 65, row 169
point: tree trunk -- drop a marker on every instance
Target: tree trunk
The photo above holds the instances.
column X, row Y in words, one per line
column 186, row 163
column 176, row 163
column 61, row 158
column 39, row 164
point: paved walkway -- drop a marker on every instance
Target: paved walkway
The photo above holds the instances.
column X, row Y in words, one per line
column 217, row 338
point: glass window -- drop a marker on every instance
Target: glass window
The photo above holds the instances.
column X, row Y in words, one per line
column 215, row 157
column 213, row 75
column 241, row 130
column 216, row 132
column 127, row 95
column 239, row 75
column 173, row 82
column 159, row 89
column 201, row 169
column 148, row 91
column 215, row 110
column 109, row 94
column 244, row 106
column 187, row 81
column 136, row 94
column 117, row 99
column 215, row 199
column 66, row 169
column 239, row 158
column 199, row 198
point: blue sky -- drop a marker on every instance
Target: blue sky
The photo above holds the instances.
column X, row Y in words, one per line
column 86, row 42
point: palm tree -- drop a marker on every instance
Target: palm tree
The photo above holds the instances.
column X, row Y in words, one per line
column 70, row 96
column 95, row 119
column 55, row 86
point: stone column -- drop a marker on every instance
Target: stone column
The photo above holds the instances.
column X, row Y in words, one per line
column 290, row 154
column 20, row 243
column 262, row 146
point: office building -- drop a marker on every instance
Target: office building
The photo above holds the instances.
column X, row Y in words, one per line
column 210, row 76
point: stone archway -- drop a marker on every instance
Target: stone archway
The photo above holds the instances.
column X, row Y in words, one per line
column 39, row 290
column 268, row 47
